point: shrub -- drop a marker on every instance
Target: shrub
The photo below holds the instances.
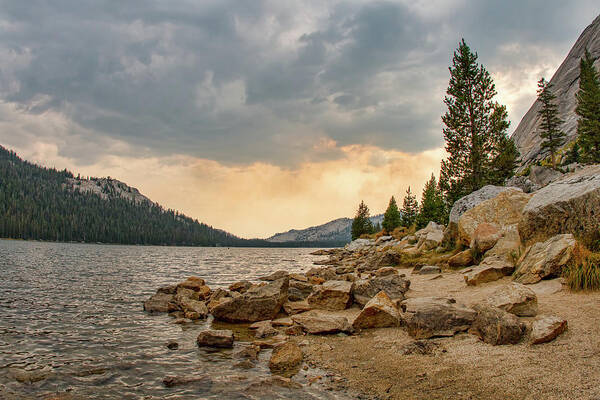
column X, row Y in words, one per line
column 583, row 272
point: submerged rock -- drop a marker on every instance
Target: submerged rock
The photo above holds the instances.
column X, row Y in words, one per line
column 215, row 338
column 171, row 381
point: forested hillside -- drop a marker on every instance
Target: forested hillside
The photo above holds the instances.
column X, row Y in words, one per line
column 46, row 204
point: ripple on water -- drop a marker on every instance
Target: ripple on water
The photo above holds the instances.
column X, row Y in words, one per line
column 71, row 320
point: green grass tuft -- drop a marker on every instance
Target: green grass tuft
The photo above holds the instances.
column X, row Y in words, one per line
column 583, row 272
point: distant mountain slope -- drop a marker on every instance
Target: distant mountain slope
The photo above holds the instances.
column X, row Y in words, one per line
column 566, row 84
column 338, row 231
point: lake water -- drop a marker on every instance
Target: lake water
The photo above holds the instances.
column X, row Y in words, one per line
column 71, row 315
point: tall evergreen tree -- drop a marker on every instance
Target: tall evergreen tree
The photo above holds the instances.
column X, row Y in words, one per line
column 588, row 109
column 432, row 204
column 410, row 209
column 475, row 125
column 361, row 223
column 391, row 218
column 553, row 137
column 504, row 162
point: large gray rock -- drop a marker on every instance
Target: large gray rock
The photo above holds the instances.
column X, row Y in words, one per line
column 395, row 286
column 516, row 299
column 565, row 84
column 379, row 312
column 319, row 322
column 464, row 204
column 299, row 290
column 545, row 259
column 496, row 326
column 331, row 295
column 359, row 244
column 427, row 317
column 259, row 303
column 569, row 205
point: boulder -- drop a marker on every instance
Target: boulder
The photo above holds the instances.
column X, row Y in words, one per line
column 257, row 304
column 569, row 205
column 161, row 302
column 427, row 317
column 359, row 244
column 516, row 299
column 275, row 276
column 489, row 270
column 296, row 307
column 325, row 273
column 298, row 277
column 379, row 312
column 376, row 261
column 504, row 209
column 395, row 286
column 496, row 326
column 462, row 259
column 170, row 289
column 429, row 270
column 322, row 322
column 285, row 357
column 344, row 269
column 299, row 290
column 471, row 200
column 331, row 295
column 485, row 237
column 545, row 259
column 194, row 309
column 508, row 247
column 385, row 271
column 215, row 338
column 196, row 284
column 429, row 237
column 383, row 239
column 546, row 329
column 240, row 287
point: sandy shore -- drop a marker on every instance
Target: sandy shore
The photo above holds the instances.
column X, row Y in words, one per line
column 462, row 367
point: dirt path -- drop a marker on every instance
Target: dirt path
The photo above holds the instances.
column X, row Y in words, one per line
column 464, row 367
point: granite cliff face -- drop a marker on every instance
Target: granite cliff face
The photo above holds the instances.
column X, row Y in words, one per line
column 335, row 231
column 566, row 85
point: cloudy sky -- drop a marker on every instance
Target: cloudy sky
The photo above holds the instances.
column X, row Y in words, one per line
column 260, row 116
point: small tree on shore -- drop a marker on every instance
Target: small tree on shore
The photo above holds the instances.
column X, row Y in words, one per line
column 588, row 109
column 432, row 204
column 410, row 209
column 391, row 218
column 553, row 137
column 361, row 224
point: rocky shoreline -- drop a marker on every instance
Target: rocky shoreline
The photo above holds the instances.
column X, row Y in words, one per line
column 489, row 280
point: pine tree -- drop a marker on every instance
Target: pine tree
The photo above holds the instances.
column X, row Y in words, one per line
column 391, row 218
column 410, row 209
column 588, row 109
column 432, row 204
column 361, row 223
column 504, row 163
column 475, row 125
column 553, row 136
column 573, row 155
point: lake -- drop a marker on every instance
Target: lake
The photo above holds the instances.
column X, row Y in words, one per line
column 71, row 321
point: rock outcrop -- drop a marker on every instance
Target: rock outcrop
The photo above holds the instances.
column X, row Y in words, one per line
column 569, row 205
column 545, row 259
column 565, row 84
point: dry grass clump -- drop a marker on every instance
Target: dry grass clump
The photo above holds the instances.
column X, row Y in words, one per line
column 583, row 272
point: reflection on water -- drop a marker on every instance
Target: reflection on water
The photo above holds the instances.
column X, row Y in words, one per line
column 71, row 320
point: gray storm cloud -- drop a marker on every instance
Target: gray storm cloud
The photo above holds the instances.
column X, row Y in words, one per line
column 245, row 81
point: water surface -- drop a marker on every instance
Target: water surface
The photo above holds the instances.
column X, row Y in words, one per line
column 72, row 314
